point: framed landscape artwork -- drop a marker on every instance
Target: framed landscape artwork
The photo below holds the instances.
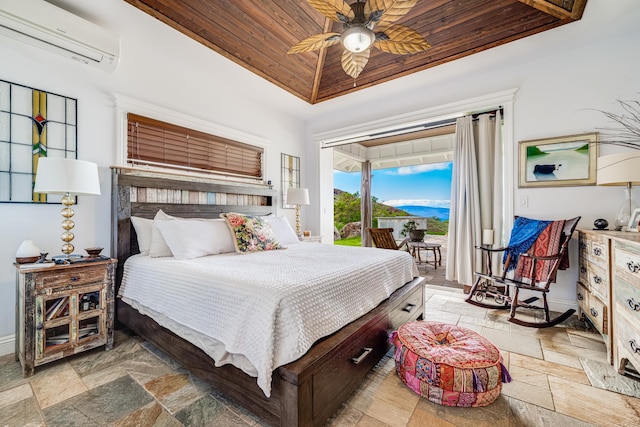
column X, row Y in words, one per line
column 562, row 161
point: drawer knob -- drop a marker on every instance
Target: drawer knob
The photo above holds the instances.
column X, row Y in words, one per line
column 583, row 269
column 633, row 267
column 597, row 279
column 583, row 245
column 594, row 312
column 365, row 352
column 580, row 297
column 634, row 347
column 635, row 306
column 409, row 308
column 74, row 278
column 597, row 251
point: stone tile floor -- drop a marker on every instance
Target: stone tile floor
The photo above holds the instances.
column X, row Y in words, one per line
column 560, row 378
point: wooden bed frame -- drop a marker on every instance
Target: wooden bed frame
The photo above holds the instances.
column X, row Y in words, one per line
column 304, row 393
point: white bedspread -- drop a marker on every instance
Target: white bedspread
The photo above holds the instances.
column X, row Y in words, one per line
column 263, row 310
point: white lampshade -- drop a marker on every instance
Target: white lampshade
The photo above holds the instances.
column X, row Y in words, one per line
column 298, row 196
column 619, row 169
column 357, row 38
column 61, row 176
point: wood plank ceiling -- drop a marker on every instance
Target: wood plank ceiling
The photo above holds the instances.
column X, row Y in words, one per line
column 258, row 34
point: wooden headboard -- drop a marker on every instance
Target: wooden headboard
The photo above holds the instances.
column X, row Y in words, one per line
column 135, row 193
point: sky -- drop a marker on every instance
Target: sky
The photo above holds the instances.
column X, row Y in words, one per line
column 422, row 185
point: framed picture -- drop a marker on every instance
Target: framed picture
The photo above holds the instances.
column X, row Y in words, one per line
column 290, row 176
column 634, row 221
column 563, row 161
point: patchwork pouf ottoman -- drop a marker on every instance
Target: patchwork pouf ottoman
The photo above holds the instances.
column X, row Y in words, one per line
column 448, row 364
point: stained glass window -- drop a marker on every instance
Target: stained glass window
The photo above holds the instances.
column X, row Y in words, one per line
column 33, row 124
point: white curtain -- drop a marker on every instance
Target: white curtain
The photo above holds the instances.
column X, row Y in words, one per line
column 490, row 178
column 476, row 195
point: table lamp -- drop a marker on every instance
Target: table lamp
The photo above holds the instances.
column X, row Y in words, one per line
column 297, row 196
column 621, row 169
column 69, row 177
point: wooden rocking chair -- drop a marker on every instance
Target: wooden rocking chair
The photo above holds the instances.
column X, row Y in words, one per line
column 383, row 238
column 537, row 249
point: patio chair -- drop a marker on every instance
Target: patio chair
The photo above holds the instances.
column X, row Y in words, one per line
column 383, row 238
column 537, row 249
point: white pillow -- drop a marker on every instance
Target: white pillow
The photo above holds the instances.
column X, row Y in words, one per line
column 194, row 238
column 282, row 229
column 143, row 229
column 158, row 246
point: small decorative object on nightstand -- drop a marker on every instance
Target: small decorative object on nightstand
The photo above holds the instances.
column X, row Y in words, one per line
column 63, row 310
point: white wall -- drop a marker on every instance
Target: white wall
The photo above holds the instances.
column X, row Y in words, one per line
column 160, row 66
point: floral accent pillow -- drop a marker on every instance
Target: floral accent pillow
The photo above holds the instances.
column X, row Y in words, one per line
column 251, row 233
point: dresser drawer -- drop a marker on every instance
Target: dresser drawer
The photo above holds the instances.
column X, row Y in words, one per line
column 72, row 277
column 597, row 313
column 583, row 271
column 598, row 252
column 627, row 339
column 598, row 281
column 583, row 244
column 410, row 308
column 582, row 297
column 627, row 297
column 626, row 263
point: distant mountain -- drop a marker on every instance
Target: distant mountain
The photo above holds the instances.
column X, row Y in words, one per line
column 427, row 211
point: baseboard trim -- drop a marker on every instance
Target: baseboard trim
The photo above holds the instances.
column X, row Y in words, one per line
column 7, row 344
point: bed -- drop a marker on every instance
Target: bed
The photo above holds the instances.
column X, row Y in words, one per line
column 303, row 392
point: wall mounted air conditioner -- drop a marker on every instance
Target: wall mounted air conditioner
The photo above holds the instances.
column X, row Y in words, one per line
column 47, row 26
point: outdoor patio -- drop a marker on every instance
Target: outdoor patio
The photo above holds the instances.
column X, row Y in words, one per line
column 435, row 276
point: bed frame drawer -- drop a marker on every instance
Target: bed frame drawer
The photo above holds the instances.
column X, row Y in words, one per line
column 344, row 369
column 408, row 309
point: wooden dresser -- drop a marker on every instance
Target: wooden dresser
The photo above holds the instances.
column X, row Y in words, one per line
column 608, row 291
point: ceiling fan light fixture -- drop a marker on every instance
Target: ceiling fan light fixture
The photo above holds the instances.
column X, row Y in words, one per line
column 357, row 38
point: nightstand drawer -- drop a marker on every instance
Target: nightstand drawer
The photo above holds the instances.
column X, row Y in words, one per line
column 72, row 277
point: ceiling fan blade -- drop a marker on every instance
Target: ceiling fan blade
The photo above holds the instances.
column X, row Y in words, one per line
column 337, row 10
column 315, row 42
column 353, row 63
column 400, row 40
column 392, row 10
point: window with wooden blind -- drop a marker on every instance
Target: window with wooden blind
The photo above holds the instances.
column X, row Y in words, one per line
column 156, row 143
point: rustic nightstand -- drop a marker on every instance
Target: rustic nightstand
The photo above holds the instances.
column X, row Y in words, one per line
column 313, row 239
column 63, row 310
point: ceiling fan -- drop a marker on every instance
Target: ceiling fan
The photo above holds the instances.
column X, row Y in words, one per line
column 366, row 23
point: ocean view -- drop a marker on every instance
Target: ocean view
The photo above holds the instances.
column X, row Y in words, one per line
column 423, row 190
column 426, row 211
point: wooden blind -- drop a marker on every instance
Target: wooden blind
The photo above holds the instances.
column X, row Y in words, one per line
column 153, row 142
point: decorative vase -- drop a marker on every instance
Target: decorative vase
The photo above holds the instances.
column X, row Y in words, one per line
column 27, row 252
column 601, row 224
